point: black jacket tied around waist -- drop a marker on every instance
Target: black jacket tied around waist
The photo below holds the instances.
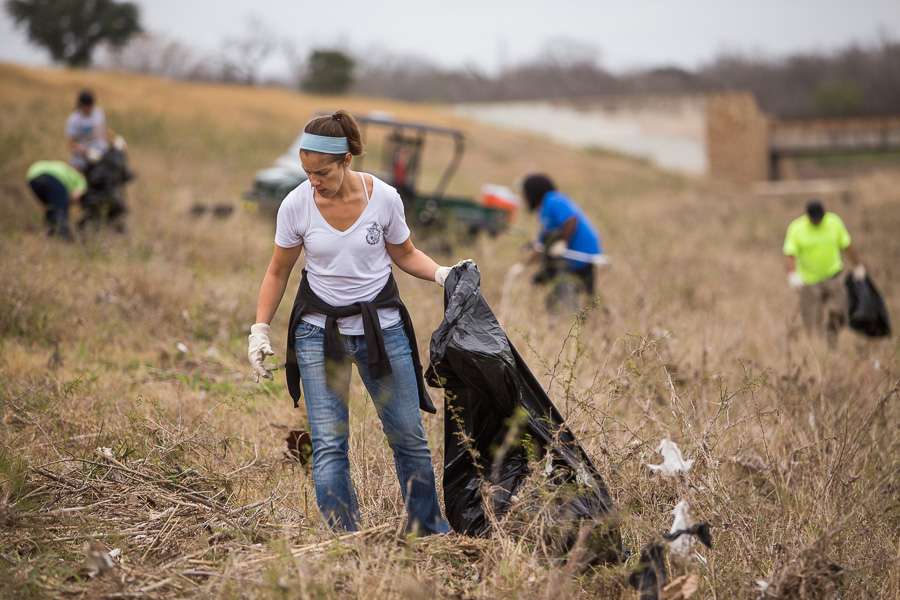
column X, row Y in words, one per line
column 378, row 362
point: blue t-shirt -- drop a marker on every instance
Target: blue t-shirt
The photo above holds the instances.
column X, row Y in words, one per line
column 556, row 209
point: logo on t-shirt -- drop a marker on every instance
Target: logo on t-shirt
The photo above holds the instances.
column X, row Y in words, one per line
column 373, row 234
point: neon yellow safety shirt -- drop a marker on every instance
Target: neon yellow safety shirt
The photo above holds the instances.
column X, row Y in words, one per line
column 817, row 248
column 71, row 178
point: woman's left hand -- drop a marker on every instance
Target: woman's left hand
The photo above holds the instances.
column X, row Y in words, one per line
column 440, row 276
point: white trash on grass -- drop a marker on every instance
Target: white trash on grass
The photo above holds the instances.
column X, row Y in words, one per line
column 673, row 462
column 680, row 547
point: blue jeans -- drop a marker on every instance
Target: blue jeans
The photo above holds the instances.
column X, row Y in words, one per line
column 396, row 401
column 54, row 196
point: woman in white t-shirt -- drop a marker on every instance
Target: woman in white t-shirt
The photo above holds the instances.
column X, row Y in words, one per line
column 352, row 228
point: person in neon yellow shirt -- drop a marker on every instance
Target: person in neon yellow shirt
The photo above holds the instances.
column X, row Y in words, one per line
column 56, row 184
column 812, row 256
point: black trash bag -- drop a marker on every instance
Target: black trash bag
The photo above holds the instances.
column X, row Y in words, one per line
column 651, row 577
column 104, row 200
column 497, row 417
column 867, row 311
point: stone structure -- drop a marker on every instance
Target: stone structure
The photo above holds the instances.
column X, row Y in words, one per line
column 737, row 138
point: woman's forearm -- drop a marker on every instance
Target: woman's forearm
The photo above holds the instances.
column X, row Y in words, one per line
column 270, row 294
column 418, row 264
column 412, row 260
column 275, row 282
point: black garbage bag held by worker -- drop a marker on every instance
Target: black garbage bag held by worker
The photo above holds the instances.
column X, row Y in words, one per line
column 867, row 312
column 104, row 201
column 486, row 383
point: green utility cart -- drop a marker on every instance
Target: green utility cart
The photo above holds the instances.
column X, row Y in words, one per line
column 400, row 151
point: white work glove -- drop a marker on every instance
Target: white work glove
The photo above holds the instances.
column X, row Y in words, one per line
column 119, row 143
column 859, row 272
column 795, row 282
column 94, row 155
column 515, row 271
column 441, row 274
column 260, row 348
column 557, row 248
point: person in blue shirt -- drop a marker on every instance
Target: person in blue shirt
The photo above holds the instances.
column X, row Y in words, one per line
column 567, row 236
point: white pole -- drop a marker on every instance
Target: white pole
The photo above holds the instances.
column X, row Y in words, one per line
column 600, row 260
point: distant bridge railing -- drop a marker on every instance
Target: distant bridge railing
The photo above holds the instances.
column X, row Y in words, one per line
column 831, row 136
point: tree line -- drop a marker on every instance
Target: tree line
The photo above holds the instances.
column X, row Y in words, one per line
column 858, row 80
column 853, row 81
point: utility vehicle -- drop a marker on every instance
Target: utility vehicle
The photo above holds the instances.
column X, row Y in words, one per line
column 399, row 146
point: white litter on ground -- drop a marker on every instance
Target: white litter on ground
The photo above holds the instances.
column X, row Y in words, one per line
column 673, row 462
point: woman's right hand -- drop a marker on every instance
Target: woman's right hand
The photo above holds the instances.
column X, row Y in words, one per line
column 259, row 349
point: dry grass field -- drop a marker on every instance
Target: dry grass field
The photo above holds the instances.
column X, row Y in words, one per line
column 137, row 343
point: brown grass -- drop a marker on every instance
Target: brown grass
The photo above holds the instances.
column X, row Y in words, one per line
column 695, row 337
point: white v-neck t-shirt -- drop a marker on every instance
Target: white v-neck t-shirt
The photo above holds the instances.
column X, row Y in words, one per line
column 345, row 267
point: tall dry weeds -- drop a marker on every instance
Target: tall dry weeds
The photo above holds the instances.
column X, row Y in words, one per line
column 136, row 344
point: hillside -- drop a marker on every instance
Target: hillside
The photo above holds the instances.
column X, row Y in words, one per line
column 137, row 343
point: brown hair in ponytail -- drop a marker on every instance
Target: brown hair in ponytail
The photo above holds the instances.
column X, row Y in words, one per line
column 339, row 124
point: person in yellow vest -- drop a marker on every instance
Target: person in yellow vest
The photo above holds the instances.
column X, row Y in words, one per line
column 812, row 256
column 56, row 184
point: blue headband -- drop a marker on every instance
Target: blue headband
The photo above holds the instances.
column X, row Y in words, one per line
column 324, row 144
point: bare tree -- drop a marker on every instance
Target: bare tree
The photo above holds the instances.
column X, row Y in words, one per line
column 793, row 87
column 297, row 63
column 244, row 56
column 153, row 54
column 857, row 80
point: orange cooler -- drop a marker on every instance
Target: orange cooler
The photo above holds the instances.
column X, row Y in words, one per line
column 499, row 196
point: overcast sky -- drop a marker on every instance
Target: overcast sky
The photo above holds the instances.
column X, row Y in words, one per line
column 492, row 34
